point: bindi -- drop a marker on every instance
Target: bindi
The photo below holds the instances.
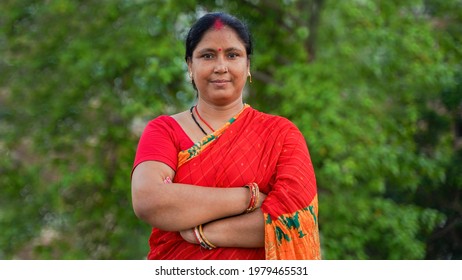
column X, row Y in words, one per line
column 218, row 24
column 219, row 49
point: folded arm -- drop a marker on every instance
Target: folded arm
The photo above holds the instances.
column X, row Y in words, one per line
column 176, row 207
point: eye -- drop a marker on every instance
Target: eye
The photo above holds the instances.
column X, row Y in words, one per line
column 208, row 56
column 233, row 55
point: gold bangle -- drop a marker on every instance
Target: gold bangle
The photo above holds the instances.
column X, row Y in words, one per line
column 206, row 241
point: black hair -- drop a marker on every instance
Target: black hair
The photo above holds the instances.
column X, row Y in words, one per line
column 207, row 21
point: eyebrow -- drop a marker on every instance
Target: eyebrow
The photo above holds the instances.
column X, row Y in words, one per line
column 207, row 50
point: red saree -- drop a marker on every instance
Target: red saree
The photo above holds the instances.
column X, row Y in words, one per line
column 267, row 150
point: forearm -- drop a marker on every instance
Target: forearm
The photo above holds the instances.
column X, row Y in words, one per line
column 243, row 231
column 179, row 206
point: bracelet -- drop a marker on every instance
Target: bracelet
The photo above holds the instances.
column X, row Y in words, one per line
column 206, row 241
column 254, row 195
column 200, row 237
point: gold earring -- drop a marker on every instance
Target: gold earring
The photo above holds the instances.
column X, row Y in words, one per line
column 250, row 76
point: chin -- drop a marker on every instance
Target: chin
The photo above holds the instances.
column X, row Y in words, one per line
column 224, row 100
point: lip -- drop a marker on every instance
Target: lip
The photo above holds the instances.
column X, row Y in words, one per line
column 220, row 82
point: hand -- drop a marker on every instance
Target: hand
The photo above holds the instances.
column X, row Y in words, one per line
column 261, row 198
column 188, row 235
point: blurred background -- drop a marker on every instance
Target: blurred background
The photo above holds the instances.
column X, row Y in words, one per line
column 375, row 87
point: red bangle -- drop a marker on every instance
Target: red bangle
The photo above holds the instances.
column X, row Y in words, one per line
column 254, row 195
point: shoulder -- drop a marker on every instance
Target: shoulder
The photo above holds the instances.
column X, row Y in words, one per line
column 273, row 121
column 168, row 128
column 161, row 120
column 160, row 127
column 162, row 123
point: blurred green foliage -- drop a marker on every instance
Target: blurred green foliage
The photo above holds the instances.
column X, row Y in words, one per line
column 375, row 86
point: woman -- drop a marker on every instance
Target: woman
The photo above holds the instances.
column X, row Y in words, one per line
column 222, row 180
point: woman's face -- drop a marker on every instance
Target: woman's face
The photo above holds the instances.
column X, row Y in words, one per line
column 219, row 66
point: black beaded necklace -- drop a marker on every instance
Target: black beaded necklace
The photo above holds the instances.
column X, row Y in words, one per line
column 194, row 119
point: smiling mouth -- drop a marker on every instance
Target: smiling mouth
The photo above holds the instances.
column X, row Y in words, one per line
column 219, row 81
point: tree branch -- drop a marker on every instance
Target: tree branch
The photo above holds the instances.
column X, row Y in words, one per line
column 313, row 25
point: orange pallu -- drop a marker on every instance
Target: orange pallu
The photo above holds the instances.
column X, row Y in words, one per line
column 270, row 151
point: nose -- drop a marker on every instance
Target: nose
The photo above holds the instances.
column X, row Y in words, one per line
column 220, row 67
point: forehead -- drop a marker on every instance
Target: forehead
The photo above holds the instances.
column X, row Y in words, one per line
column 224, row 37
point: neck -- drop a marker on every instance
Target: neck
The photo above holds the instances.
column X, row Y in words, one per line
column 217, row 115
